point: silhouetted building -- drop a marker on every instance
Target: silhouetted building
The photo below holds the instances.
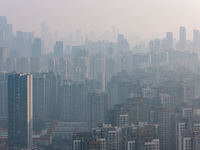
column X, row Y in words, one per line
column 169, row 40
column 39, row 96
column 23, row 64
column 53, row 81
column 98, row 106
column 10, row 64
column 36, row 64
column 122, row 44
column 36, row 47
column 58, row 49
column 3, row 57
column 182, row 38
column 3, row 95
column 3, row 23
column 196, row 41
column 20, row 113
column 73, row 104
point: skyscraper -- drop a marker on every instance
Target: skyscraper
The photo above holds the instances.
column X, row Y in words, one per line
column 120, row 37
column 23, row 64
column 36, row 64
column 3, row 94
column 122, row 44
column 20, row 110
column 79, row 37
column 39, row 94
column 182, row 38
column 52, row 85
column 10, row 64
column 3, row 23
column 169, row 40
column 98, row 106
column 58, row 49
column 36, row 47
column 3, row 57
column 196, row 41
column 97, row 69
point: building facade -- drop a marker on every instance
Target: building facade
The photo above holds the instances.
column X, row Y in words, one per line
column 20, row 110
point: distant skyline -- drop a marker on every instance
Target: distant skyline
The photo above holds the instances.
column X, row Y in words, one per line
column 147, row 18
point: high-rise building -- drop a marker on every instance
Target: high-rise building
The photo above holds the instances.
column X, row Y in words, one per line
column 110, row 68
column 98, row 106
column 10, row 64
column 3, row 23
column 169, row 40
column 8, row 36
column 164, row 122
column 53, row 81
column 39, row 94
column 66, row 112
column 154, row 45
column 36, row 47
column 180, row 128
column 120, row 37
column 58, row 49
column 196, row 41
column 81, row 65
column 79, row 37
column 20, row 113
column 23, row 64
column 3, row 94
column 122, row 44
column 3, row 57
column 182, row 38
column 43, row 37
column 114, row 139
column 188, row 92
column 51, row 64
column 98, row 69
column 75, row 106
column 36, row 64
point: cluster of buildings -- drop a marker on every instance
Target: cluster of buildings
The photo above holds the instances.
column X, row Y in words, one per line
column 99, row 95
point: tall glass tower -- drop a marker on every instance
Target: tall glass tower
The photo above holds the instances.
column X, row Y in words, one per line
column 20, row 112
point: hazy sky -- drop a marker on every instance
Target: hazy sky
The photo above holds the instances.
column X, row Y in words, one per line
column 147, row 18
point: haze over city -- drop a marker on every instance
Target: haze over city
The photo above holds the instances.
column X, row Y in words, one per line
column 146, row 18
column 99, row 75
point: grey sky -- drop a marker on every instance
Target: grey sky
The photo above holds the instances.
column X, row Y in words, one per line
column 148, row 18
